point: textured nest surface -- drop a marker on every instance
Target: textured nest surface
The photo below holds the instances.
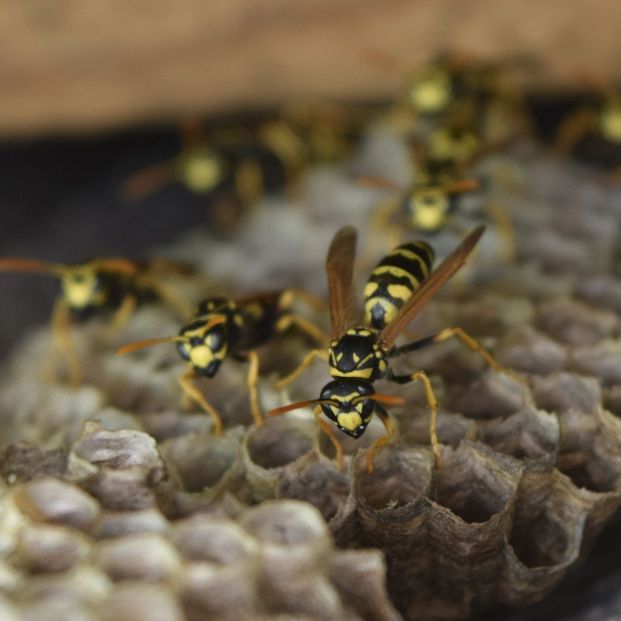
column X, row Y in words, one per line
column 119, row 503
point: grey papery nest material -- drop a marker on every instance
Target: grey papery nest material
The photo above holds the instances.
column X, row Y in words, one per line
column 119, row 504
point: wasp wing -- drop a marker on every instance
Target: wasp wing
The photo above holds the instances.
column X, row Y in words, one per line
column 429, row 288
column 339, row 268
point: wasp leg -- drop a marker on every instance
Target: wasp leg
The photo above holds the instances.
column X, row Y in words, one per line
column 328, row 430
column 468, row 341
column 432, row 402
column 500, row 216
column 253, row 374
column 377, row 445
column 147, row 181
column 306, row 362
column 289, row 295
column 172, row 299
column 381, row 224
column 304, row 326
column 62, row 342
column 572, row 130
column 185, row 381
column 249, row 185
column 122, row 315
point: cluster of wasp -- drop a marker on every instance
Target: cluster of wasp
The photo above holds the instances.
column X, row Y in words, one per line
column 453, row 114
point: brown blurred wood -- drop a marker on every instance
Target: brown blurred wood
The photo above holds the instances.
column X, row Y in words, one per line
column 76, row 66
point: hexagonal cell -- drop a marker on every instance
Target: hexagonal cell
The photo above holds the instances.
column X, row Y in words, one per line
column 280, row 441
column 527, row 434
column 316, row 482
column 474, row 483
column 575, row 323
column 400, row 477
column 202, row 459
column 530, row 351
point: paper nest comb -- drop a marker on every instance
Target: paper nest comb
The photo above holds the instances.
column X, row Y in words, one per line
column 118, row 504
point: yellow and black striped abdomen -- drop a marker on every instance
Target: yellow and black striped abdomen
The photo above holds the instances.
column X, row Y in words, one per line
column 393, row 281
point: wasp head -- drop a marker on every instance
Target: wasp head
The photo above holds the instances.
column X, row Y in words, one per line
column 348, row 405
column 430, row 90
column 204, row 345
column 83, row 287
column 428, row 207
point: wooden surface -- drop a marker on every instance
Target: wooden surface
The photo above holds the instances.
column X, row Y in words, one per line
column 79, row 66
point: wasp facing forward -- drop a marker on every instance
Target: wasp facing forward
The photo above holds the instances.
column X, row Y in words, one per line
column 113, row 284
column 225, row 328
column 398, row 288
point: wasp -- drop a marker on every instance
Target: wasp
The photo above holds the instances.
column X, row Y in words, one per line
column 233, row 166
column 224, row 328
column 87, row 288
column 601, row 118
column 398, row 288
column 428, row 205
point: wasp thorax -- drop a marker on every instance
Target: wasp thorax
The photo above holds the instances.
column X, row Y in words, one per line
column 204, row 349
column 357, row 354
column 83, row 288
column 453, row 143
column 347, row 406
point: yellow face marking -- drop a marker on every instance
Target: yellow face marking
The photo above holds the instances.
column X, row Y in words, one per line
column 80, row 288
column 429, row 209
column 201, row 171
column 356, row 357
column 349, row 421
column 430, row 91
column 345, row 398
column 201, row 356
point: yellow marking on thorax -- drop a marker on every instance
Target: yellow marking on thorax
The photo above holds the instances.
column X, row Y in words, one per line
column 358, row 373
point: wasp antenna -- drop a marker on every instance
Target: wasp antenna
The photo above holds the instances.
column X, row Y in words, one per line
column 296, row 406
column 370, row 181
column 382, row 398
column 113, row 264
column 462, row 185
column 136, row 345
column 16, row 264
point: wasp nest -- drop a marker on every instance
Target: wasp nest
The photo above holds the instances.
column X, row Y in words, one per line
column 118, row 503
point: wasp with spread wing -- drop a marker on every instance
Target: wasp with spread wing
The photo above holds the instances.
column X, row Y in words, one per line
column 398, row 288
column 115, row 284
column 226, row 328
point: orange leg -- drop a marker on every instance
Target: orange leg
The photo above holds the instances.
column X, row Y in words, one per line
column 185, row 381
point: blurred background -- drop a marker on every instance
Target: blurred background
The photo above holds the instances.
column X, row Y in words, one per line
column 92, row 92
